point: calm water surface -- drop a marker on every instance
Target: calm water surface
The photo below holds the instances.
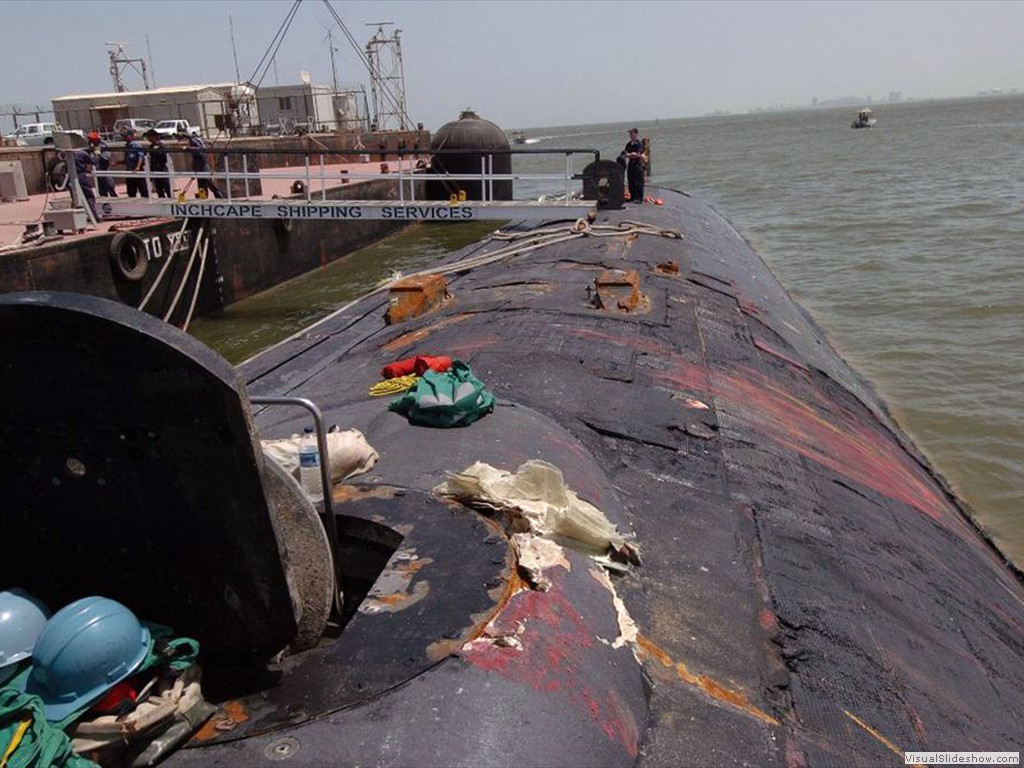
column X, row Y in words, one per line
column 245, row 328
column 906, row 242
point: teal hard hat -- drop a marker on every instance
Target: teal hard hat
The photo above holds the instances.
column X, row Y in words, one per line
column 22, row 618
column 83, row 651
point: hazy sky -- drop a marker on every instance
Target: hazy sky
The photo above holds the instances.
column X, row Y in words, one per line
column 525, row 64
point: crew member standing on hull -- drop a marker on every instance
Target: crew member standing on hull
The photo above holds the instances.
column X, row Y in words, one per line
column 135, row 162
column 634, row 153
column 200, row 165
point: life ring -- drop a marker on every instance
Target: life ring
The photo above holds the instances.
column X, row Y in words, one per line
column 128, row 256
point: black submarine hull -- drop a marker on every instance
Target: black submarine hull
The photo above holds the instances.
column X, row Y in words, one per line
column 811, row 592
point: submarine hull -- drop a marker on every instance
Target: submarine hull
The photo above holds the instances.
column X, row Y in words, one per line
column 808, row 590
column 811, row 590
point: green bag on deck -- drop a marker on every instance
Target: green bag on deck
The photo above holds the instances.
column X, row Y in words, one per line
column 454, row 398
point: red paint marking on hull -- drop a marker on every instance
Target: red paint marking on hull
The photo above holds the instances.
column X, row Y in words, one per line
column 764, row 346
column 828, row 436
column 555, row 657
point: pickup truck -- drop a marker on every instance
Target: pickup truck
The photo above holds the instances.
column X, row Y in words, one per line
column 37, row 134
column 168, row 129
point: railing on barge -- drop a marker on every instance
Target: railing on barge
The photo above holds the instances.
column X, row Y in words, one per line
column 307, row 193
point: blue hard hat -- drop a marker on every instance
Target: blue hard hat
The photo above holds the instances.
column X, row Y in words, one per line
column 22, row 618
column 83, row 651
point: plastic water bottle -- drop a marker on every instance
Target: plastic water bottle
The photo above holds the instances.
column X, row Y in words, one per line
column 309, row 467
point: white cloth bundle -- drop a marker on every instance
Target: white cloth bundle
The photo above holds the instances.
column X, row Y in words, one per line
column 349, row 452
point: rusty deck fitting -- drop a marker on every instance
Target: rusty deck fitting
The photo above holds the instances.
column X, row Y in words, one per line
column 415, row 296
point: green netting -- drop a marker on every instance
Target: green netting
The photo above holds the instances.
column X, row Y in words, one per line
column 451, row 399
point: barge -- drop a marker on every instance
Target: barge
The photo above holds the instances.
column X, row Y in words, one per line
column 787, row 580
column 143, row 259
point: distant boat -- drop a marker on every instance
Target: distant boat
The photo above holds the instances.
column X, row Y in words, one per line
column 865, row 119
column 518, row 137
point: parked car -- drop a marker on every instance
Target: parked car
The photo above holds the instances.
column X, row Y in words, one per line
column 138, row 124
column 168, row 129
column 35, row 134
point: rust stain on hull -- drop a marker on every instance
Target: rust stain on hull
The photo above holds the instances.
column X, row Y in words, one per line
column 878, row 737
column 501, row 595
column 398, row 588
column 712, row 688
column 228, row 716
column 407, row 339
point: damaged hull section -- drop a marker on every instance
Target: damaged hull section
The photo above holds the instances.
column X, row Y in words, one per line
column 811, row 591
column 703, row 539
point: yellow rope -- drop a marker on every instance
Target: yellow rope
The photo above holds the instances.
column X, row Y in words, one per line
column 19, row 734
column 394, row 386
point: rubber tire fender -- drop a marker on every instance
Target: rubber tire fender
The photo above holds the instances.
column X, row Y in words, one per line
column 128, row 256
column 298, row 187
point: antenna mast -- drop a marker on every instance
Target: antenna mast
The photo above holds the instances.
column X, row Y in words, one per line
column 387, row 77
column 119, row 61
column 334, row 71
column 234, row 52
column 152, row 69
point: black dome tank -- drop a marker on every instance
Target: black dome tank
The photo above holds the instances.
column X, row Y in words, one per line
column 464, row 142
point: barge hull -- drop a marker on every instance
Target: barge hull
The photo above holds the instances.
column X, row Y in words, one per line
column 243, row 258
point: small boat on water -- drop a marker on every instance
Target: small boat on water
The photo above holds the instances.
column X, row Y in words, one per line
column 518, row 137
column 728, row 551
column 865, row 119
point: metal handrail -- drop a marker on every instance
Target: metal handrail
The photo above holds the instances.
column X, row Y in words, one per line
column 330, row 524
column 405, row 173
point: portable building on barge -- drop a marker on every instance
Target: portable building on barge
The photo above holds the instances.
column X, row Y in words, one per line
column 209, row 106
